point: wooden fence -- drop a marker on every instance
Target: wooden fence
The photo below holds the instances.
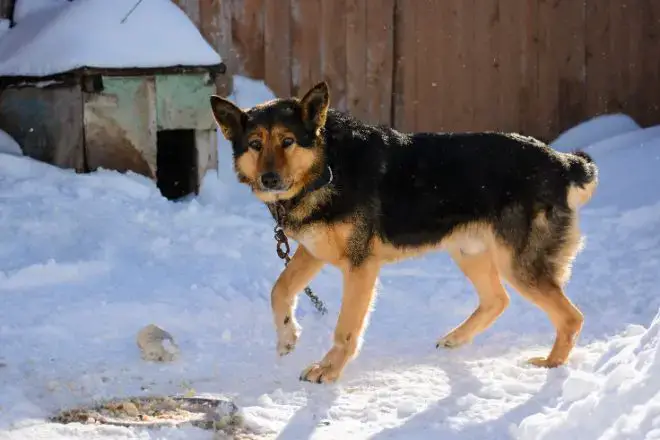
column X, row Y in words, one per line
column 534, row 66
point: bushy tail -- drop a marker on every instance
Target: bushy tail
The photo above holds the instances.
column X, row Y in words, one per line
column 583, row 174
column 582, row 168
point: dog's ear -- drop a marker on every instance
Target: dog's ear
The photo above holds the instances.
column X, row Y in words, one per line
column 315, row 104
column 229, row 118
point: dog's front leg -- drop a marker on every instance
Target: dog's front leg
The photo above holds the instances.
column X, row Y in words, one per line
column 298, row 273
column 359, row 290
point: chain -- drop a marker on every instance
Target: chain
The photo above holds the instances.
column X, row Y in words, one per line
column 283, row 250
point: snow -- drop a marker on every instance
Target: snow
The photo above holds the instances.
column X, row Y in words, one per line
column 47, row 37
column 8, row 145
column 596, row 129
column 23, row 8
column 88, row 260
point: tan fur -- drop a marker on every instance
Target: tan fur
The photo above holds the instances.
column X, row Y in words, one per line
column 482, row 257
column 359, row 291
column 300, row 271
column 294, row 163
column 580, row 195
column 482, row 272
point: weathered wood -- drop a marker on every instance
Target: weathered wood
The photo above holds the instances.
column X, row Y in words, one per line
column 356, row 57
column 380, row 60
column 333, row 50
column 182, row 102
column 120, row 126
column 277, row 51
column 306, row 44
column 46, row 123
column 535, row 66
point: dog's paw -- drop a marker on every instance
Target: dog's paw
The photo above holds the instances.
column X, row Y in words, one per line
column 287, row 337
column 320, row 373
column 453, row 340
column 543, row 362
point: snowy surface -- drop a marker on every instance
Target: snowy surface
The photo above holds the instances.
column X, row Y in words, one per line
column 596, row 129
column 8, row 145
column 88, row 260
column 23, row 8
column 52, row 37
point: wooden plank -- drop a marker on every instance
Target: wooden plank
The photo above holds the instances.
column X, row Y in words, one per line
column 333, row 50
column 407, row 56
column 511, row 41
column 486, row 65
column 356, row 57
column 306, row 45
column 598, row 56
column 247, row 26
column 561, row 65
column 428, row 67
column 277, row 50
column 528, row 93
column 120, row 126
column 215, row 26
column 380, row 55
column 46, row 123
column 451, row 89
column 649, row 85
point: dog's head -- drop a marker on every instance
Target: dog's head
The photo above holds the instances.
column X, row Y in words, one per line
column 278, row 147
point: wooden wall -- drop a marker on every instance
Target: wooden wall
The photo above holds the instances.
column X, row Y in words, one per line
column 534, row 66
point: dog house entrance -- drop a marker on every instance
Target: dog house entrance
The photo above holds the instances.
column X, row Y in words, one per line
column 176, row 162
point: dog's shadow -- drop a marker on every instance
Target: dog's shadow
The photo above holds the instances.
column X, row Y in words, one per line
column 311, row 416
column 433, row 422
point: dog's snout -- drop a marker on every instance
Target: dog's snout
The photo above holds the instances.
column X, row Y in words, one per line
column 270, row 180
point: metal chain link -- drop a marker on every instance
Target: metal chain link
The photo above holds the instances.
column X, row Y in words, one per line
column 283, row 250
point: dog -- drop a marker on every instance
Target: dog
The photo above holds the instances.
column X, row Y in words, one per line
column 359, row 196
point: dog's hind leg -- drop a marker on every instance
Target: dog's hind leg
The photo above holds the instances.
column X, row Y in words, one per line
column 564, row 315
column 538, row 271
column 359, row 291
column 480, row 269
column 299, row 272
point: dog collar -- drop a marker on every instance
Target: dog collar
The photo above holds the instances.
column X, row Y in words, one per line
column 283, row 206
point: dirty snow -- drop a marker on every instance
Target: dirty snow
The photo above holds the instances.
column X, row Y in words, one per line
column 88, row 260
column 47, row 37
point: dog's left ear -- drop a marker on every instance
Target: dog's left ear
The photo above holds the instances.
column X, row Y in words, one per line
column 315, row 104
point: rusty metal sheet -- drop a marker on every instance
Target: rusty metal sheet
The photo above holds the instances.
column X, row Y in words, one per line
column 120, row 125
column 46, row 122
column 182, row 101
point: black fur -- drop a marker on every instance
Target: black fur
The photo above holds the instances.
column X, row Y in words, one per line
column 414, row 189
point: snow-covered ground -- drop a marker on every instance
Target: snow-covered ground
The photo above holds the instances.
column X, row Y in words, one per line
column 87, row 260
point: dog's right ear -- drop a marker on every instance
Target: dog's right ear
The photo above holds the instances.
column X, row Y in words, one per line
column 229, row 118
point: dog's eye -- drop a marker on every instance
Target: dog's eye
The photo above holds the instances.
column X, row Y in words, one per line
column 287, row 142
column 255, row 144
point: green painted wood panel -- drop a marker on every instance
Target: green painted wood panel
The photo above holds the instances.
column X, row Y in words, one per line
column 182, row 102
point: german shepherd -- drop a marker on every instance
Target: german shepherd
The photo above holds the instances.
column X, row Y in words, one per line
column 358, row 196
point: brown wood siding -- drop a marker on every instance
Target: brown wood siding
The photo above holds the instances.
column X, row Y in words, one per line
column 534, row 66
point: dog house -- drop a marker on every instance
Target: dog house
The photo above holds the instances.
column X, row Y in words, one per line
column 119, row 84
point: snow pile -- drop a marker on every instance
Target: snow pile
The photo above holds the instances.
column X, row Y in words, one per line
column 8, row 145
column 23, row 8
column 89, row 33
column 89, row 260
column 595, row 129
column 619, row 400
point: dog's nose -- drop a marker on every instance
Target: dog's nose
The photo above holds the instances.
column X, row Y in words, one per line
column 270, row 180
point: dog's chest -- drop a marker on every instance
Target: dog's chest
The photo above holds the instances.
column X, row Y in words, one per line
column 327, row 243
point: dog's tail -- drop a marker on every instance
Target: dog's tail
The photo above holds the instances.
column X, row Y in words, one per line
column 583, row 174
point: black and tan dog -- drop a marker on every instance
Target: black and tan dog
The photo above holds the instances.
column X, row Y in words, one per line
column 359, row 196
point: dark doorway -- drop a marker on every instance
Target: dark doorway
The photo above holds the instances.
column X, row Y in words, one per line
column 176, row 163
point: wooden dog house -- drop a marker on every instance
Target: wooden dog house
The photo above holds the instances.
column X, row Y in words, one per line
column 96, row 84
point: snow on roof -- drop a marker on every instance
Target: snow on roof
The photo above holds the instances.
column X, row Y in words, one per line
column 89, row 33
